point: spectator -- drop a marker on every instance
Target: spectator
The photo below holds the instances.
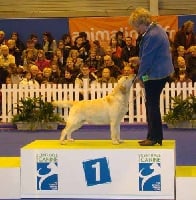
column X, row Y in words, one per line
column 18, row 42
column 129, row 50
column 108, row 62
column 13, row 73
column 28, row 81
column 5, row 57
column 120, row 40
column 39, row 77
column 134, row 63
column 78, row 45
column 85, row 75
column 127, row 71
column 29, row 55
column 94, row 61
column 71, row 67
column 191, row 60
column 116, row 52
column 8, row 80
column 2, row 38
column 68, row 78
column 35, row 39
column 98, row 48
column 55, row 74
column 49, row 45
column 180, row 52
column 13, row 50
column 134, row 38
column 182, row 77
column 61, row 60
column 46, row 75
column 108, row 51
column 185, row 36
column 181, row 64
column 29, row 59
column 79, row 63
column 106, row 76
column 67, row 40
column 65, row 51
column 34, row 72
column 86, row 43
column 74, row 54
column 41, row 60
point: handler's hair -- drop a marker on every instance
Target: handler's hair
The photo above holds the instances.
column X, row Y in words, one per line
column 140, row 16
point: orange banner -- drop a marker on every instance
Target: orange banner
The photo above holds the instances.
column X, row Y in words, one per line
column 102, row 28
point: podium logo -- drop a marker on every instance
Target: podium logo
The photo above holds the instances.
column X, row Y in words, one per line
column 96, row 171
column 149, row 172
column 47, row 171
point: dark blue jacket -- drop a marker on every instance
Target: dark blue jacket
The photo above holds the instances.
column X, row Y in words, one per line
column 154, row 53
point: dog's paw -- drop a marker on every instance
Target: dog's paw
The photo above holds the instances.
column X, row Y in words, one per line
column 121, row 141
column 115, row 142
column 62, row 142
column 70, row 140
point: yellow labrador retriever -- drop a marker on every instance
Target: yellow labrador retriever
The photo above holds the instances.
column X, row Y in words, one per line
column 107, row 110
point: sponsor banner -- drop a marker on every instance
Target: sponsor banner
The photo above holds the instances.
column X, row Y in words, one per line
column 123, row 173
column 102, row 28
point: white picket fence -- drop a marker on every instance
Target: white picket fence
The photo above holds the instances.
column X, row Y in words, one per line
column 11, row 94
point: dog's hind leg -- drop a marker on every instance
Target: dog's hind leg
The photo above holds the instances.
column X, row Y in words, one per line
column 68, row 130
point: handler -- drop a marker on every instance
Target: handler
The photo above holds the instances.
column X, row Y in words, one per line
column 154, row 70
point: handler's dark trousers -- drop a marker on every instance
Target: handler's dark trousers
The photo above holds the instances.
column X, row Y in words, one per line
column 153, row 89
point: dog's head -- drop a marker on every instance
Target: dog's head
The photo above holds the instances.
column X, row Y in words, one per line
column 125, row 83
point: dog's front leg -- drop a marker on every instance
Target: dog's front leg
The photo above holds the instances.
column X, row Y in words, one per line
column 115, row 132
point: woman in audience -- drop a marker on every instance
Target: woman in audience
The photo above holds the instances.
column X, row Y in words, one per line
column 94, row 61
column 13, row 50
column 28, row 81
column 41, row 60
column 71, row 66
column 18, row 42
column 185, row 36
column 34, row 38
column 55, row 73
column 182, row 77
column 46, row 75
column 13, row 73
column 29, row 55
column 100, row 51
column 116, row 52
column 48, row 45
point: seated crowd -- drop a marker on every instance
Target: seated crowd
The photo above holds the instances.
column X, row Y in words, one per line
column 67, row 62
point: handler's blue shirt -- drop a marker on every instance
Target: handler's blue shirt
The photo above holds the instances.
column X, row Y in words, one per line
column 155, row 55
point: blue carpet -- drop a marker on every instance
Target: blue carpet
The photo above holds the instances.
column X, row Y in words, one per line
column 11, row 140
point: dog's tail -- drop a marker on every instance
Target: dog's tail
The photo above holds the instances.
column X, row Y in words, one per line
column 63, row 104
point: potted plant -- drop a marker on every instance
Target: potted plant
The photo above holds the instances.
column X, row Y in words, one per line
column 34, row 114
column 182, row 113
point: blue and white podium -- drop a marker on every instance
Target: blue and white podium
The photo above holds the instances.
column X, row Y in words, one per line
column 97, row 169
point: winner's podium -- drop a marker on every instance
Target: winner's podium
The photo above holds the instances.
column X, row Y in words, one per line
column 97, row 169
